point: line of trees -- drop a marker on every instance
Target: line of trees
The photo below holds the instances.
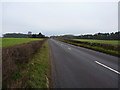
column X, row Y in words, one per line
column 99, row 36
column 15, row 35
column 37, row 36
column 20, row 35
column 102, row 36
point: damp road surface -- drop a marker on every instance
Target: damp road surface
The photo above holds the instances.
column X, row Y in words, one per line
column 78, row 67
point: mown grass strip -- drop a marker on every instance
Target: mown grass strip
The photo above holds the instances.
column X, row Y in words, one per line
column 6, row 42
column 114, row 42
column 38, row 69
column 97, row 48
column 0, row 42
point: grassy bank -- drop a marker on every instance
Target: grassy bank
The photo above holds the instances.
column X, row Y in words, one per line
column 94, row 47
column 32, row 74
column 6, row 42
column 38, row 69
column 114, row 42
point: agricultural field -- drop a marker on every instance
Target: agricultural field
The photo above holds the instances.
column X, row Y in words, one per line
column 113, row 42
column 6, row 42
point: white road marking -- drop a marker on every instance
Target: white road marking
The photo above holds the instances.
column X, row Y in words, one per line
column 107, row 67
column 69, row 48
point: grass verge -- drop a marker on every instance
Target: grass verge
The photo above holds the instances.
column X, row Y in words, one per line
column 38, row 69
column 97, row 48
column 35, row 73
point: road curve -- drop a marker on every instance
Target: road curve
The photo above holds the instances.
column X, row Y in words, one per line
column 77, row 67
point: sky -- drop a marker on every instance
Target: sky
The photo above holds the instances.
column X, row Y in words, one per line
column 59, row 18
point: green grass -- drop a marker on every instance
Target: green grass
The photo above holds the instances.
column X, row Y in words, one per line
column 97, row 48
column 6, row 42
column 34, row 73
column 114, row 42
column 0, row 42
column 38, row 69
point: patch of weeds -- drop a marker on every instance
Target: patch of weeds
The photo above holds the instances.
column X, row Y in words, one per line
column 16, row 75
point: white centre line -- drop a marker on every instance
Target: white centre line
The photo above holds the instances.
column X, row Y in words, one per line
column 107, row 67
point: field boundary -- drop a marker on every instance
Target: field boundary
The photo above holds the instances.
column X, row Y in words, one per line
column 16, row 57
column 105, row 48
column 39, row 68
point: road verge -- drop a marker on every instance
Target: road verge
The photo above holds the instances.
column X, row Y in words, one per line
column 29, row 72
column 105, row 48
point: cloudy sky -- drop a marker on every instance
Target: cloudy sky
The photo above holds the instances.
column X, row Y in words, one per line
column 57, row 18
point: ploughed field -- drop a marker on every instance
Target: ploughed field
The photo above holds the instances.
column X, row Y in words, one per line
column 113, row 42
column 6, row 42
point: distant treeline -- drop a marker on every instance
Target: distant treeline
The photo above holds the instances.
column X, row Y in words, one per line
column 99, row 36
column 20, row 35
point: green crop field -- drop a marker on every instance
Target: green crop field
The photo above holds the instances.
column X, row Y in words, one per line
column 6, row 42
column 114, row 42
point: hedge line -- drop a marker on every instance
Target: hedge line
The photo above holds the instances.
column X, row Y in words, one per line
column 106, row 48
column 17, row 55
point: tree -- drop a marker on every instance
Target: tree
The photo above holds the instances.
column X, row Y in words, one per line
column 40, row 35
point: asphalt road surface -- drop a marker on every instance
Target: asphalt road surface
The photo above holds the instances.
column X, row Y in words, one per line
column 77, row 67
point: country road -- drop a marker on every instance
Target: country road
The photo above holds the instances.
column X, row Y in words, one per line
column 77, row 67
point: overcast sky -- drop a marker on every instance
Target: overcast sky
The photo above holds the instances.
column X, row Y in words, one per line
column 56, row 18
